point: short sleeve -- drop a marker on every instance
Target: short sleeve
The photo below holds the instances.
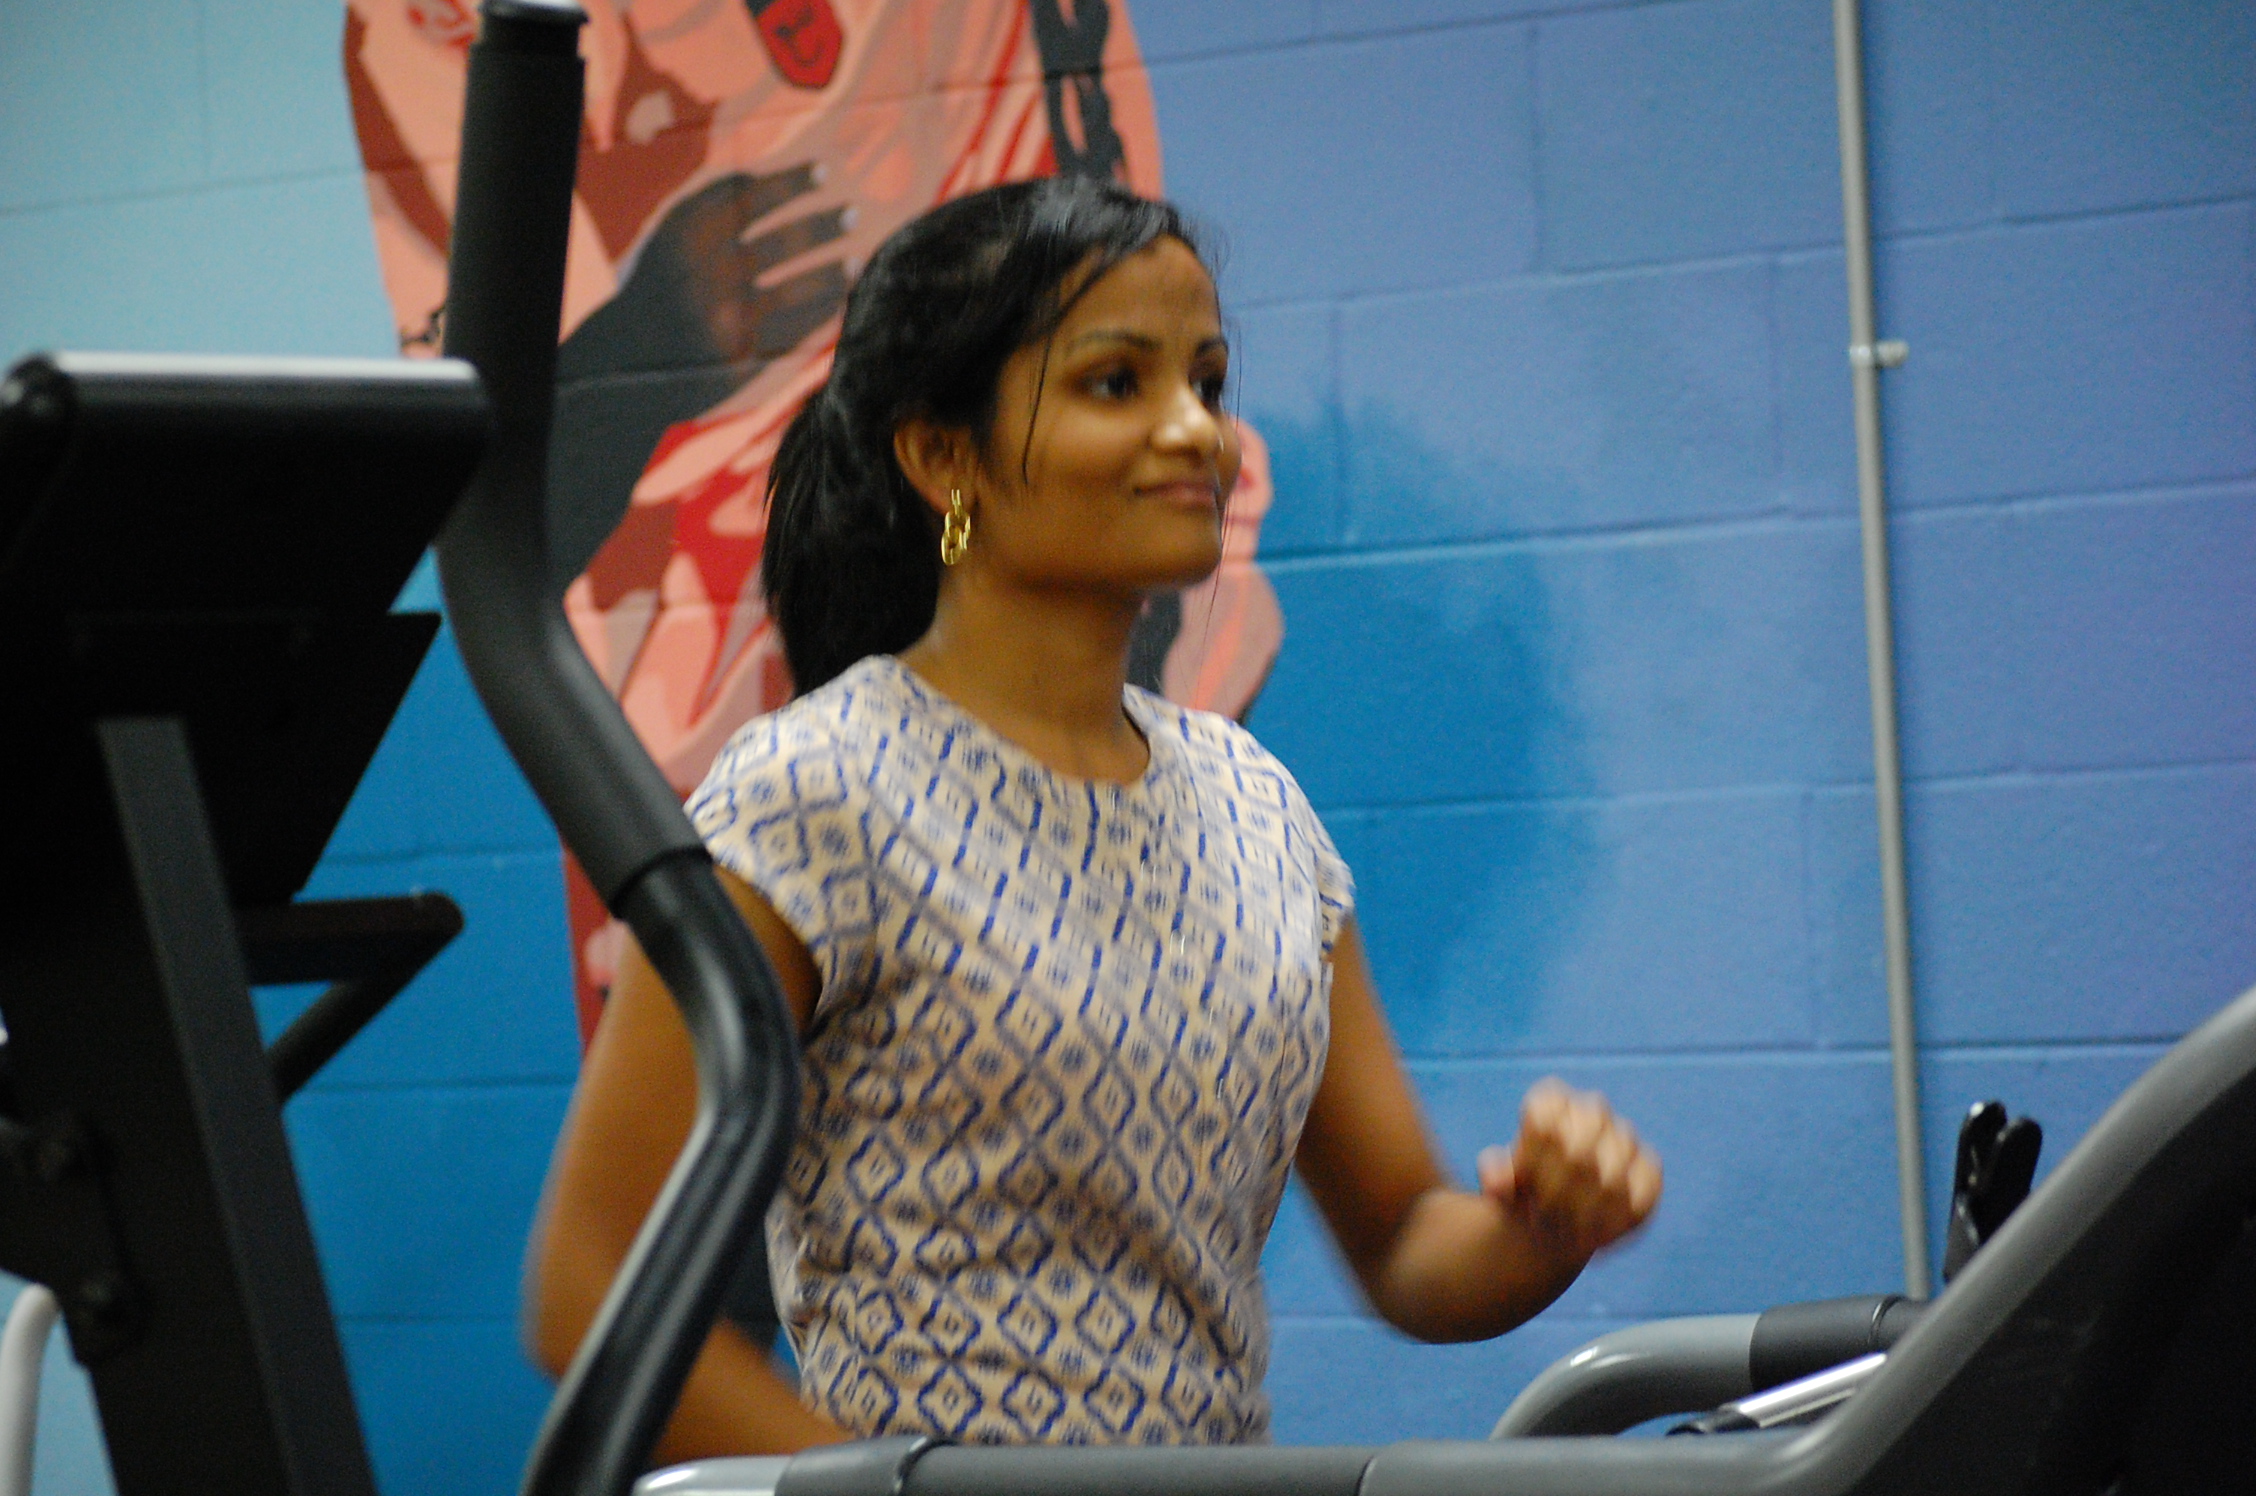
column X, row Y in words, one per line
column 1335, row 884
column 1223, row 753
column 782, row 809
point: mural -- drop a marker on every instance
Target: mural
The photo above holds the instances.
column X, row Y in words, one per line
column 739, row 161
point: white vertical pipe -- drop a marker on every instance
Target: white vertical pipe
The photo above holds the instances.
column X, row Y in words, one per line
column 1867, row 357
column 23, row 1350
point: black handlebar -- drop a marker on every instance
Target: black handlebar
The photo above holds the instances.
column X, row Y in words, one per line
column 520, row 143
column 371, row 948
column 1793, row 1341
column 505, row 286
column 616, row 1397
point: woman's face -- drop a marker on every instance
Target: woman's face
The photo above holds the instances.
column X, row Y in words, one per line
column 1120, row 489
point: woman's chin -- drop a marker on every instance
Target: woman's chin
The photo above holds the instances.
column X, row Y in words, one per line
column 1156, row 563
column 1189, row 559
column 1192, row 570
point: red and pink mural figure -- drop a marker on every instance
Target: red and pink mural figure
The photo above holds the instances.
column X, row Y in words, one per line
column 739, row 161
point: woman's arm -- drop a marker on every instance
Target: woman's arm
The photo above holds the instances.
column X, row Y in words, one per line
column 1436, row 1262
column 631, row 1114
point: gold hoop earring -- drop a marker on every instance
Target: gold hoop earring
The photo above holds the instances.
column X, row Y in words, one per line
column 955, row 529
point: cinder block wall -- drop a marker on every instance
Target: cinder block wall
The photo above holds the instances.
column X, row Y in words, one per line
column 1540, row 306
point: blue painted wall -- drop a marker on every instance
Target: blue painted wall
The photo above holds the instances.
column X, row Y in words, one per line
column 1543, row 311
column 1540, row 306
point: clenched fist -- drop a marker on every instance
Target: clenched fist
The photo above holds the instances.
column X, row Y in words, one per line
column 1576, row 1175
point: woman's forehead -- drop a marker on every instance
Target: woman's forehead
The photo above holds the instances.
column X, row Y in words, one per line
column 1161, row 291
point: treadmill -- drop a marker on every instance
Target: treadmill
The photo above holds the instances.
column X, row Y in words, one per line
column 197, row 558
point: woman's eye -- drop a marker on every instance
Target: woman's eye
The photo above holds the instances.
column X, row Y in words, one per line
column 1211, row 389
column 1116, row 384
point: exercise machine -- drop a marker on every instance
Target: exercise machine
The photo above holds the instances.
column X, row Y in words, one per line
column 196, row 563
column 2104, row 1341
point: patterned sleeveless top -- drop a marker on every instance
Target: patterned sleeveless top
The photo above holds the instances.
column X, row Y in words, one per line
column 1067, row 1036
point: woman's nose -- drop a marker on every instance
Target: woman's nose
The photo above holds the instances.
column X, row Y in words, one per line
column 1190, row 426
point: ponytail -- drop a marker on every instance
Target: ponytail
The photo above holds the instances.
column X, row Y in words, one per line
column 851, row 564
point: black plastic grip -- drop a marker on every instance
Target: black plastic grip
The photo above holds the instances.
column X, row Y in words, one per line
column 1798, row 1340
column 505, row 288
column 616, row 1397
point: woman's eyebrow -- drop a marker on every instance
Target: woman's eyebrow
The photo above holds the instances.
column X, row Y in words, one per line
column 1138, row 340
column 1143, row 342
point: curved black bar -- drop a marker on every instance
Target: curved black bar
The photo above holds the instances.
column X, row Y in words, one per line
column 373, row 947
column 520, row 143
column 621, row 1387
column 505, row 284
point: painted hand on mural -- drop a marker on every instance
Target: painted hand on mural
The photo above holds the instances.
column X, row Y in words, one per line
column 694, row 321
column 699, row 268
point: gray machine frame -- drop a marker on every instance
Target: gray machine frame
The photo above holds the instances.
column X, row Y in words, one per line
column 2098, row 1342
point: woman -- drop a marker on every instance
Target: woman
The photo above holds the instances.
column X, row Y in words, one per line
column 1076, row 970
column 737, row 160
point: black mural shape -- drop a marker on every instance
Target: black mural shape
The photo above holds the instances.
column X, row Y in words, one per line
column 1155, row 633
column 1073, row 59
column 690, row 326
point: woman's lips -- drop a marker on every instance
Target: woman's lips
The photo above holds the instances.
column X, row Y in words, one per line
column 1188, row 494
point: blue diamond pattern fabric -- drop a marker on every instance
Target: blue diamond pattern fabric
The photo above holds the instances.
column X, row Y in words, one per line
column 1068, row 1035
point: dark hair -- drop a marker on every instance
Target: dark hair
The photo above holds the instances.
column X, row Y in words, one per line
column 851, row 565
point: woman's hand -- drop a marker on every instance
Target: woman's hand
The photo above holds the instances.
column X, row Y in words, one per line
column 1577, row 1177
column 1442, row 1263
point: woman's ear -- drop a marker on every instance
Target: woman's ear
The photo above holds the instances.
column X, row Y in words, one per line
column 938, row 460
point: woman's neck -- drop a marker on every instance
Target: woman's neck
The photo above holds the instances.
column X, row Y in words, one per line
column 1045, row 670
